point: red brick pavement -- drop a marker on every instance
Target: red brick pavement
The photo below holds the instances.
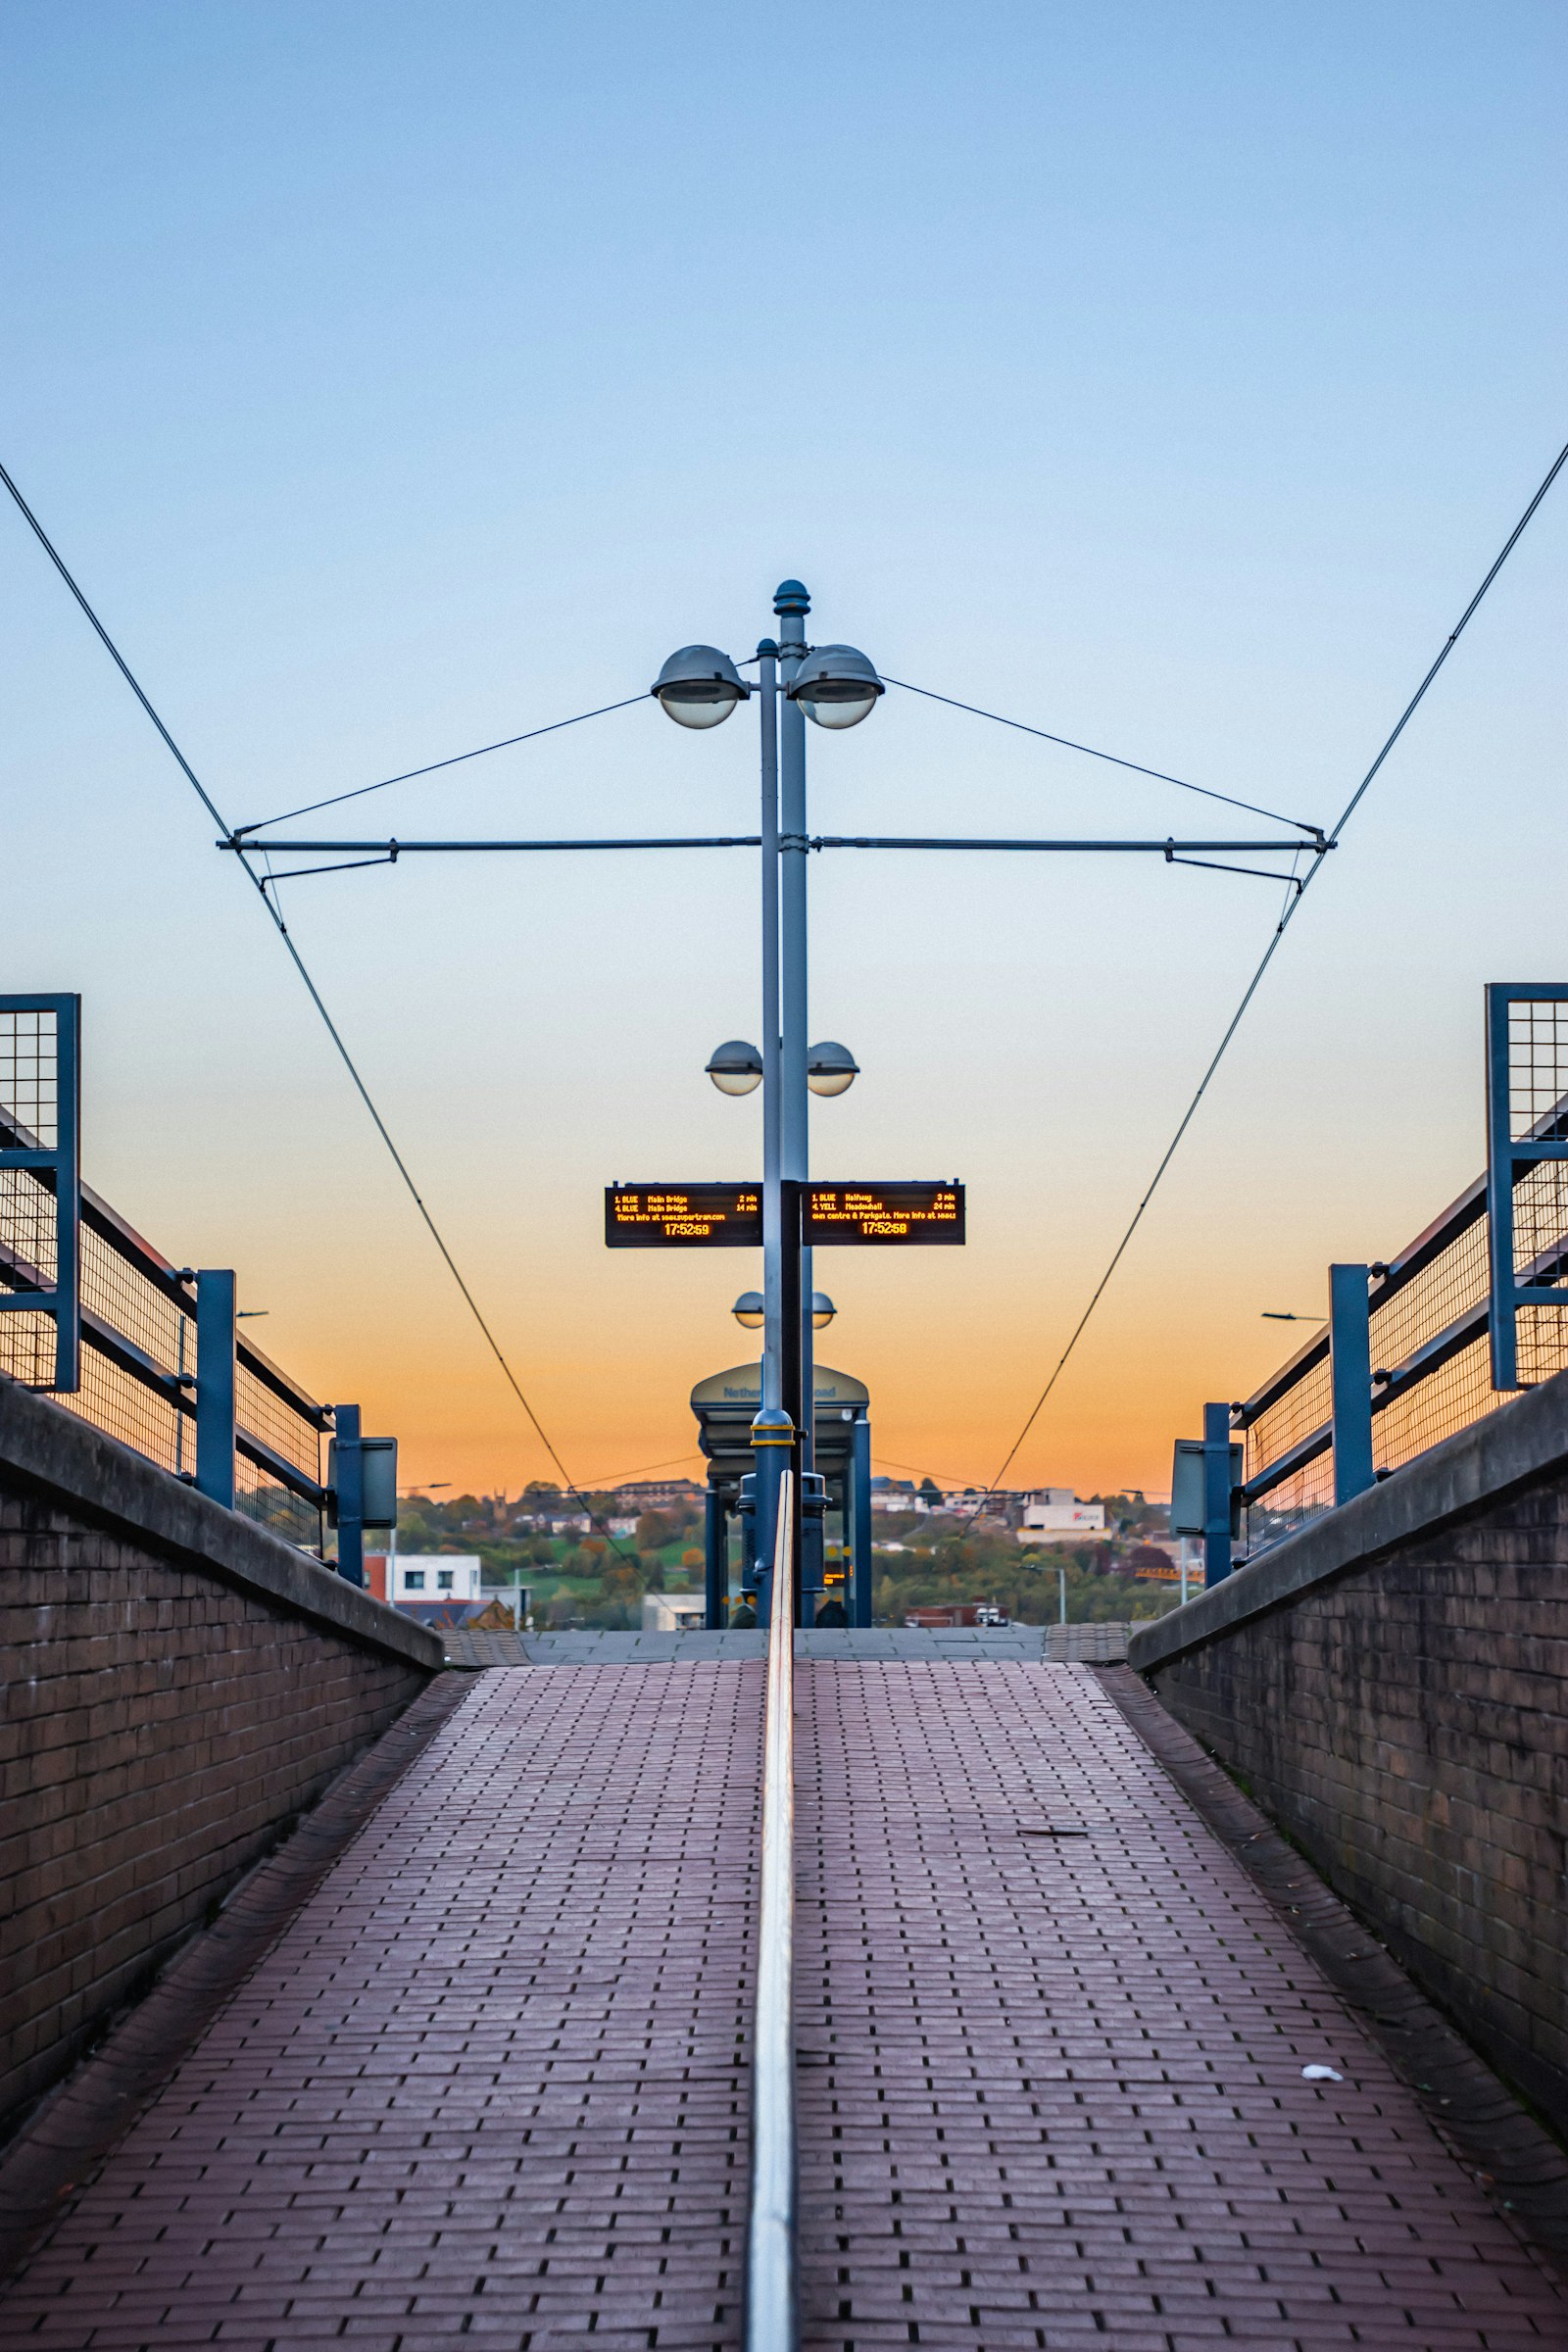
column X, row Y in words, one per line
column 490, row 2085
column 1050, row 2087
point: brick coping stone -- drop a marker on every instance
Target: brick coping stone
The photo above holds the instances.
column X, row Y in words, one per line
column 66, row 1459
column 1520, row 1442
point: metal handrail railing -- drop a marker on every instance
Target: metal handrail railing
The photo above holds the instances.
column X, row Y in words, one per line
column 771, row 2283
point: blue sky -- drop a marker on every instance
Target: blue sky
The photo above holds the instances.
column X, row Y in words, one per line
column 397, row 379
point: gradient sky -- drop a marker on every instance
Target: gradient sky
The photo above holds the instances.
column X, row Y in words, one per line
column 397, row 377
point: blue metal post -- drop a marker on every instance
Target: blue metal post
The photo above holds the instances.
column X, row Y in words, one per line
column 214, row 1384
column 1217, row 1493
column 1350, row 1381
column 350, row 1480
column 792, row 604
column 1501, row 1309
column 715, row 1545
column 859, row 1475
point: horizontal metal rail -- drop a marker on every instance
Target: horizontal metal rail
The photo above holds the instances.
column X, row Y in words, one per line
column 391, row 850
column 771, row 2273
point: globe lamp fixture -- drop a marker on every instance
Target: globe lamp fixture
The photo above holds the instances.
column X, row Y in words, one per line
column 750, row 1310
column 735, row 1067
column 699, row 687
column 823, row 1310
column 830, row 1069
column 836, row 686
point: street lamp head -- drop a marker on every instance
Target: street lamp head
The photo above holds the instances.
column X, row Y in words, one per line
column 735, row 1067
column 823, row 1310
column 750, row 1309
column 700, row 686
column 830, row 1069
column 836, row 686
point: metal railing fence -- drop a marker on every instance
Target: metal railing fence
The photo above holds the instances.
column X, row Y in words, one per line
column 772, row 2323
column 140, row 1362
column 1428, row 1321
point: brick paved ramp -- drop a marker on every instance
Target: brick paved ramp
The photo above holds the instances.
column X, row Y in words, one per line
column 492, row 2082
column 1051, row 2086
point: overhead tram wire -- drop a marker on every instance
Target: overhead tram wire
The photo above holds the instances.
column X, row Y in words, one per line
column 260, row 886
column 1288, row 916
column 1111, row 758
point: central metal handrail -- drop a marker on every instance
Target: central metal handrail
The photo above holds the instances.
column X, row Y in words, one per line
column 770, row 2296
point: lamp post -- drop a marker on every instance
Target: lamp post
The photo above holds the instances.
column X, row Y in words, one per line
column 837, row 687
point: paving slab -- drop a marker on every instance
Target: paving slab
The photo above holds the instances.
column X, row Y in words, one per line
column 1051, row 2046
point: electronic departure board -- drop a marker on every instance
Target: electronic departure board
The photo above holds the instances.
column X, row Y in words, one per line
column 875, row 1215
column 683, row 1216
column 709, row 1216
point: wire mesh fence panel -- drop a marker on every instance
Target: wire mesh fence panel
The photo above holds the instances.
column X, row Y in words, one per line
column 1304, row 1407
column 266, row 1499
column 264, row 1414
column 1453, row 1284
column 122, row 1406
column 1537, row 1110
column 1448, row 1400
column 29, row 1118
column 1306, row 1495
column 30, row 1073
column 1537, row 1065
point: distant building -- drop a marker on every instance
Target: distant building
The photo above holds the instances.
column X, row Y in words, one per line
column 1057, row 1511
column 674, row 1612
column 894, row 1494
column 425, row 1576
column 658, row 1494
column 621, row 1527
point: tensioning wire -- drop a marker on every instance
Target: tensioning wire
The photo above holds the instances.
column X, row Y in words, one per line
column 1282, row 926
column 332, row 1030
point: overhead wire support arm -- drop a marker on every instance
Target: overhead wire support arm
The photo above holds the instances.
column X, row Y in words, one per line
column 379, row 852
column 1169, row 848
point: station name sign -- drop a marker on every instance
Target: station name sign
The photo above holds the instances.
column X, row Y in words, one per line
column 729, row 1216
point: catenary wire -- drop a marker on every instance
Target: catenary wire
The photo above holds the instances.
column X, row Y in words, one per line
column 1288, row 916
column 1066, row 743
column 332, row 1030
column 408, row 773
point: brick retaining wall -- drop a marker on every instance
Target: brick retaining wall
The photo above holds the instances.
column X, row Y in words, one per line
column 1393, row 1684
column 178, row 1686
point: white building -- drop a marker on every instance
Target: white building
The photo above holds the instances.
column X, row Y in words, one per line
column 1057, row 1511
column 674, row 1612
column 433, row 1576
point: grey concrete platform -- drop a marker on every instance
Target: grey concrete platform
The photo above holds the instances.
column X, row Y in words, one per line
column 1054, row 1644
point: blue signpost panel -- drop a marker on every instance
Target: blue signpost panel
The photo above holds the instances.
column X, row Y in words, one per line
column 40, row 1139
column 214, row 1384
column 1527, row 1129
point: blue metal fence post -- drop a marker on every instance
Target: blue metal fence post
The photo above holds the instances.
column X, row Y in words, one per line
column 716, row 1546
column 1350, row 1381
column 1217, row 1493
column 348, row 1481
column 214, row 1384
column 859, row 1473
column 1502, row 1308
column 68, row 1193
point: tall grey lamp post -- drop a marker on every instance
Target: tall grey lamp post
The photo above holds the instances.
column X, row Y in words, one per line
column 837, row 687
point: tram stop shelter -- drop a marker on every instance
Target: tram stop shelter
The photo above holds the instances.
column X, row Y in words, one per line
column 726, row 1405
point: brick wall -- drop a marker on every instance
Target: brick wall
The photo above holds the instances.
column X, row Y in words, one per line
column 163, row 1717
column 1404, row 1716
